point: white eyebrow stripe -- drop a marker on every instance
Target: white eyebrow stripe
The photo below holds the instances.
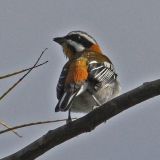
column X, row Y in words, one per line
column 85, row 35
column 88, row 37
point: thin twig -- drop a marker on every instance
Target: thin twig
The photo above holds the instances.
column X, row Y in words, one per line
column 21, row 71
column 15, row 84
column 31, row 124
column 10, row 128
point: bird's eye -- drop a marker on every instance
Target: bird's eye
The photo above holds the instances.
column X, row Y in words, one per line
column 79, row 37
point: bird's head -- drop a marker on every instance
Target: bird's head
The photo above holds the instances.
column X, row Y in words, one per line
column 77, row 42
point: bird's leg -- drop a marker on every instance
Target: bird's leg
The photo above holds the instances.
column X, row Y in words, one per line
column 96, row 100
column 98, row 104
column 69, row 117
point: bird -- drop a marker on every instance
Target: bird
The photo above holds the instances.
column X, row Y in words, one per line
column 88, row 79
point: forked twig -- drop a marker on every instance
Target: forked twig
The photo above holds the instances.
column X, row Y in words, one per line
column 21, row 71
column 10, row 128
column 31, row 124
column 15, row 84
column 12, row 74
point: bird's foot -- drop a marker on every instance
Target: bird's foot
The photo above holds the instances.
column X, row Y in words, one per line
column 69, row 120
column 95, row 107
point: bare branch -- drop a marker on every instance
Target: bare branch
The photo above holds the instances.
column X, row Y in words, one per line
column 88, row 122
column 21, row 71
column 9, row 128
column 32, row 124
column 15, row 84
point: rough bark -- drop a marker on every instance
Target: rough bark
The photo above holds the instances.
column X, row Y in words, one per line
column 88, row 122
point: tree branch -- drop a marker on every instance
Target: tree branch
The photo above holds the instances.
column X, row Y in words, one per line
column 29, row 124
column 21, row 71
column 9, row 128
column 88, row 122
column 15, row 84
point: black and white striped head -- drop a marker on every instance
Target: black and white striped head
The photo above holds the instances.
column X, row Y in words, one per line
column 77, row 42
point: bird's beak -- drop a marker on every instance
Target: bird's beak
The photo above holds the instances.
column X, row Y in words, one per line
column 59, row 40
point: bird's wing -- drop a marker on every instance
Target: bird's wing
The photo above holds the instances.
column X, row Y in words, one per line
column 61, row 81
column 101, row 73
column 73, row 84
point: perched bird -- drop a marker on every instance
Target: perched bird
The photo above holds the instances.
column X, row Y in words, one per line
column 88, row 79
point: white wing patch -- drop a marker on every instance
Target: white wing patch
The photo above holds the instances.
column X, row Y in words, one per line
column 103, row 73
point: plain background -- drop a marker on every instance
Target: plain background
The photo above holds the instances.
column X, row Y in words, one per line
column 128, row 31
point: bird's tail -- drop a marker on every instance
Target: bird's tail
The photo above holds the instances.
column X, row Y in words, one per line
column 66, row 101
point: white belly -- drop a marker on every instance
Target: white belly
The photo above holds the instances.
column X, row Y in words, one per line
column 85, row 101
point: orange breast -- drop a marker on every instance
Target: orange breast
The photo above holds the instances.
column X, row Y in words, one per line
column 77, row 71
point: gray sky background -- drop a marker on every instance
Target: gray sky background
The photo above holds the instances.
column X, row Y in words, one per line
column 128, row 32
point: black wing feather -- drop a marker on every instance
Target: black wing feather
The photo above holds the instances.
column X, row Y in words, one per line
column 61, row 82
